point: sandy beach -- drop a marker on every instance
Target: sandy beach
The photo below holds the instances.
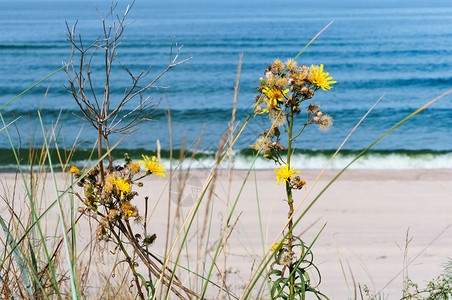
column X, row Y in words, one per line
column 367, row 215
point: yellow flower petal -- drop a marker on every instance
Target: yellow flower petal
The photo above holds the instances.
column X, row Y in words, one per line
column 152, row 167
column 284, row 173
column 321, row 79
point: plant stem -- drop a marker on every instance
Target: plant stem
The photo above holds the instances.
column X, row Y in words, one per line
column 301, row 131
column 99, row 151
column 130, row 262
column 290, row 200
column 107, row 147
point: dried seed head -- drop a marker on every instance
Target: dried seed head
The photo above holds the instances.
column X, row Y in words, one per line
column 304, row 90
column 271, row 80
column 134, row 167
column 291, row 65
column 278, row 117
column 281, row 83
column 284, row 257
column 319, row 114
column 268, row 74
column 258, row 109
column 313, row 108
column 325, row 122
column 262, row 145
column 277, row 66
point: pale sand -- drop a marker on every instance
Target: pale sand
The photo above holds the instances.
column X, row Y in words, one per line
column 367, row 212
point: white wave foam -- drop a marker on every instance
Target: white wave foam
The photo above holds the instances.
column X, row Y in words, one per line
column 309, row 161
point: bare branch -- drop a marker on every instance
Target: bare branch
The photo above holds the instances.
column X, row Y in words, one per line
column 101, row 114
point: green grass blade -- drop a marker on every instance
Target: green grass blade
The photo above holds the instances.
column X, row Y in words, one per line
column 17, row 256
column 369, row 147
column 61, row 215
column 34, row 263
column 45, row 78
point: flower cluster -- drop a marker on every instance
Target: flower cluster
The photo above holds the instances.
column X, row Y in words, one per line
column 111, row 197
column 282, row 91
column 287, row 85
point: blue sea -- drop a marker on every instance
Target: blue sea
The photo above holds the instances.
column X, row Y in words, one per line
column 399, row 49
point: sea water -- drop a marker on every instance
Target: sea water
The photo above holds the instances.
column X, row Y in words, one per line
column 401, row 50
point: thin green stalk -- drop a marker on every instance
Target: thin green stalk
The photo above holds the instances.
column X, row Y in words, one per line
column 195, row 208
column 369, row 147
column 289, row 197
column 260, row 223
column 261, row 230
column 129, row 261
column 208, row 239
column 18, row 257
column 73, row 232
column 45, row 78
column 301, row 131
column 60, row 209
column 230, row 216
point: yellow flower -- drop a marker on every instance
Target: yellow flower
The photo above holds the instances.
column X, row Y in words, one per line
column 122, row 186
column 272, row 104
column 284, row 173
column 274, row 94
column 74, row 170
column 321, row 79
column 152, row 166
column 275, row 245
